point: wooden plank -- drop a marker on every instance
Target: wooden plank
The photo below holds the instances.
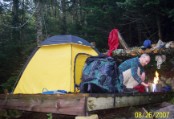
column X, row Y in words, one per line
column 78, row 104
column 70, row 104
column 107, row 102
column 98, row 103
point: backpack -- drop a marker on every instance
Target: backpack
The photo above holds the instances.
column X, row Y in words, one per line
column 99, row 75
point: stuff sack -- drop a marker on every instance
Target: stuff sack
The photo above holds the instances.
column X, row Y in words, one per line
column 99, row 75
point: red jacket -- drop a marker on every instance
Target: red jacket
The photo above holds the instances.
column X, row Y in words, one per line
column 113, row 41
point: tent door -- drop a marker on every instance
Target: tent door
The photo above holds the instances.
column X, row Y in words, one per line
column 78, row 69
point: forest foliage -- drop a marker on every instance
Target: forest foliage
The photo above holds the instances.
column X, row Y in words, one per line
column 25, row 23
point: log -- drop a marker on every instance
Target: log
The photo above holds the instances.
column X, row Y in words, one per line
column 122, row 41
column 79, row 104
column 136, row 51
column 100, row 102
column 61, row 104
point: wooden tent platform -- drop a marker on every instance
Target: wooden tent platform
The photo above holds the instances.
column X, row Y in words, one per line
column 78, row 104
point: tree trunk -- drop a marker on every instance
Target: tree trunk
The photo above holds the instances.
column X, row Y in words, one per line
column 139, row 32
column 159, row 28
column 74, row 12
column 39, row 25
column 63, row 19
column 15, row 22
column 130, row 34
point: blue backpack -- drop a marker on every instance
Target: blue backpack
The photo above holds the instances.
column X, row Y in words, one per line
column 99, row 75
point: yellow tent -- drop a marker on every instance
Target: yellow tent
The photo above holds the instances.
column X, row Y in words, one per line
column 56, row 65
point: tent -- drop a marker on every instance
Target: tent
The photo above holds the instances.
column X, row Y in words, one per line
column 56, row 65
